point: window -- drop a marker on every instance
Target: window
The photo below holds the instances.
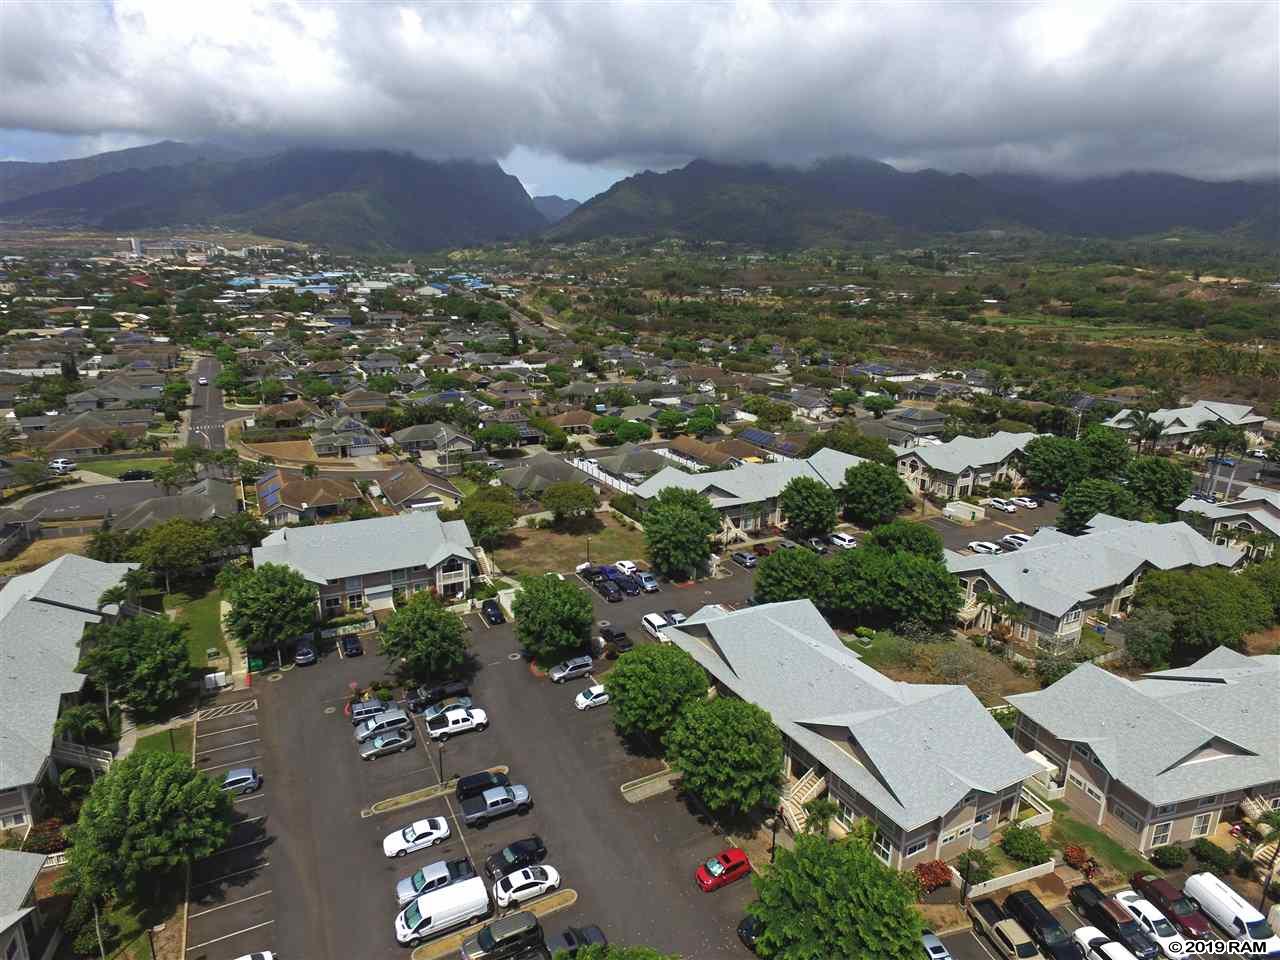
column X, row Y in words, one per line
column 947, row 838
column 1125, row 815
column 1071, row 616
column 1160, row 835
column 1075, row 781
column 355, row 601
column 12, row 819
column 1093, row 793
column 1200, row 825
column 1275, row 803
column 844, row 815
column 399, row 576
column 1207, row 801
column 1166, row 808
column 882, row 846
column 353, row 583
column 333, row 603
column 916, row 847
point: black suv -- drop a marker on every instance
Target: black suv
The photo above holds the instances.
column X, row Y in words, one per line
column 492, row 612
column 423, row 697
column 1043, row 927
column 629, row 585
column 515, row 856
column 137, row 475
column 616, row 642
column 475, row 784
column 1114, row 920
column 609, row 590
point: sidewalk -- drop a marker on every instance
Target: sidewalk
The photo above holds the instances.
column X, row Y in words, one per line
column 239, row 665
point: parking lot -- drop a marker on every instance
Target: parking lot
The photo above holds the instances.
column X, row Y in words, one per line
column 332, row 889
column 233, row 896
column 957, row 536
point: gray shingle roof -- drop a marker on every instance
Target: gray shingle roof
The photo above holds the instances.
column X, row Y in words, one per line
column 962, row 453
column 18, row 871
column 752, row 482
column 1257, row 504
column 1178, row 421
column 357, row 547
column 1175, row 734
column 926, row 746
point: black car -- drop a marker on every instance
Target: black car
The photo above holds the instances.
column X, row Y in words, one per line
column 474, row 784
column 628, row 585
column 515, row 856
column 351, row 646
column 749, row 931
column 1034, row 917
column 1051, row 495
column 616, row 642
column 1114, row 920
column 609, row 590
column 593, row 575
column 574, row 939
column 137, row 475
column 424, row 697
column 492, row 612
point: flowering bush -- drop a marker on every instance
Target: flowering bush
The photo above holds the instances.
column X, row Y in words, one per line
column 933, row 874
column 46, row 837
column 1075, row 855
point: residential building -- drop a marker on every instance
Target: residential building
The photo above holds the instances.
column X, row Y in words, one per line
column 360, row 403
column 292, row 498
column 533, row 475
column 1165, row 758
column 1183, row 425
column 201, row 501
column 964, row 465
column 574, row 421
column 25, row 933
column 1250, row 522
column 294, row 413
column 411, row 488
column 379, row 562
column 1056, row 582
column 434, row 436
column 344, row 437
column 926, row 764
column 693, row 454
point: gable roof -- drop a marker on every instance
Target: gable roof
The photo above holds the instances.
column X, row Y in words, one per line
column 753, row 482
column 1259, row 505
column 1181, row 421
column 913, row 750
column 1174, row 734
column 539, row 472
column 962, row 453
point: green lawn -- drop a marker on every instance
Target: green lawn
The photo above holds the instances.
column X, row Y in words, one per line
column 465, row 484
column 199, row 609
column 113, row 468
column 176, row 740
column 1107, row 851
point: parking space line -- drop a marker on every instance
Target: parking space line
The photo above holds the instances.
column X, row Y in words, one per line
column 214, row 733
column 209, row 943
column 252, row 796
column 229, row 746
column 461, row 829
column 231, row 904
column 978, row 937
column 216, row 766
column 238, row 846
column 236, row 873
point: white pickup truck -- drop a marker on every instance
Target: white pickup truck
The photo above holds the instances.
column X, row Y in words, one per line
column 458, row 720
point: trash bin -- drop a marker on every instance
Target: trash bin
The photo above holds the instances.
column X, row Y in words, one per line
column 256, row 664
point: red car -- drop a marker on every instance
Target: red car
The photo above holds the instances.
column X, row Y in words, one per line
column 722, row 869
column 1178, row 909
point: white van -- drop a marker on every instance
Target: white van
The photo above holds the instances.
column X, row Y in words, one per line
column 653, row 624
column 1236, row 916
column 442, row 910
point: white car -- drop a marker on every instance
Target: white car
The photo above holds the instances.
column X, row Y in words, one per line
column 594, row 696
column 1025, row 502
column 203, row 381
column 525, row 885
column 984, row 546
column 1086, row 937
column 1154, row 924
column 416, row 836
column 627, row 567
column 998, row 503
column 843, row 541
column 653, row 624
column 61, row 465
column 1015, row 541
column 265, row 955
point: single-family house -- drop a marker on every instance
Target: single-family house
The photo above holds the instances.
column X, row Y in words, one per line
column 411, row 488
column 531, row 476
column 203, row 500
column 344, row 437
column 574, row 421
column 360, row 403
column 434, row 436
column 292, row 498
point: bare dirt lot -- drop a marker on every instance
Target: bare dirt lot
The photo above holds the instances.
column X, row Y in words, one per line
column 40, row 552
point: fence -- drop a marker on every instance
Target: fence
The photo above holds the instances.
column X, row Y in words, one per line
column 55, row 860
column 593, row 470
column 999, row 883
column 56, row 533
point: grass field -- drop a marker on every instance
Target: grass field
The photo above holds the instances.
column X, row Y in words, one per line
column 465, row 484
column 162, row 741
column 113, row 468
column 1108, row 852
column 540, row 551
column 199, row 609
column 40, row 552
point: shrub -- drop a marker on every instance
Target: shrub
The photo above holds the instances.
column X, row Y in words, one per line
column 974, row 865
column 1219, row 861
column 932, row 874
column 864, row 632
column 1170, row 857
column 46, row 837
column 1075, row 855
column 1025, row 845
column 626, row 503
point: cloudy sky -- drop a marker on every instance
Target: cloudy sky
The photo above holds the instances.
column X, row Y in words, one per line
column 572, row 96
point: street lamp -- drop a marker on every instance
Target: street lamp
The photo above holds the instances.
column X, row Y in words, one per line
column 588, row 549
column 440, row 758
column 772, row 824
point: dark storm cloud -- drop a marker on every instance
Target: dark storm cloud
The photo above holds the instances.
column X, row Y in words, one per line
column 1073, row 88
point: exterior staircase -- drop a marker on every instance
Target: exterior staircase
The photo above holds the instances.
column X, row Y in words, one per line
column 807, row 788
column 1253, row 808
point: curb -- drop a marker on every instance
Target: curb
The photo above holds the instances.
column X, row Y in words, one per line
column 391, row 804
column 542, row 907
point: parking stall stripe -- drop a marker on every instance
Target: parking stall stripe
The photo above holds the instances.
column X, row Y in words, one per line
column 218, row 766
column 252, row 796
column 238, row 846
column 233, row 903
column 209, row 943
column 243, row 726
column 229, row 746
column 236, row 873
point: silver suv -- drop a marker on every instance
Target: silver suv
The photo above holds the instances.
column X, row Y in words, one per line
column 242, row 780
column 571, row 669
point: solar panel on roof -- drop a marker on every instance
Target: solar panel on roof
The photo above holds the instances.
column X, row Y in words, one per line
column 270, row 500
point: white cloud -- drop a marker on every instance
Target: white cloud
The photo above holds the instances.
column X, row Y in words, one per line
column 1072, row 88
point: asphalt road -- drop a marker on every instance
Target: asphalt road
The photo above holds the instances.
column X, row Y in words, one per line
column 89, row 501
column 631, row 865
column 208, row 415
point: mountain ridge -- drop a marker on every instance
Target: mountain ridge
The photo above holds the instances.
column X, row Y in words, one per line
column 555, row 207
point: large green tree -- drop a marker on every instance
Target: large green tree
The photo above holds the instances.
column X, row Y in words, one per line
column 487, row 520
column 270, row 605
column 569, row 500
column 1149, row 637
column 142, row 660
column 728, row 753
column 809, row 507
column 553, row 617
column 175, row 548
column 649, row 687
column 427, row 641
column 1210, row 607
column 1266, row 577
column 1085, row 498
column 678, row 526
column 1159, row 484
column 907, row 536
column 793, row 575
column 874, row 493
column 614, row 951
column 877, row 587
column 1106, row 450
column 1054, row 463
column 878, row 404
column 150, row 813
column 825, row 900
column 848, row 439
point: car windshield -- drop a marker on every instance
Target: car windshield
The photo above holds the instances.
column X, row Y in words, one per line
column 485, row 939
column 409, row 834
column 938, row 950
column 509, row 854
column 412, row 916
column 1163, row 927
column 419, row 880
column 1182, row 908
column 714, row 867
column 380, row 741
column 537, row 874
column 1260, row 930
column 1028, row 949
column 1054, row 936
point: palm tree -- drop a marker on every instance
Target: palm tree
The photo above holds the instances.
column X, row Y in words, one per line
column 77, row 723
column 1139, row 422
column 819, row 812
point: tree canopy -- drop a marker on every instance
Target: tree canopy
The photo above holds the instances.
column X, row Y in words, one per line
column 809, row 507
column 874, row 493
column 1159, row 484
column 427, row 641
column 569, row 500
column 728, row 753
column 1210, row 607
column 792, row 575
column 649, row 687
column 270, row 605
column 678, row 526
column 553, row 617
column 142, row 660
column 907, row 536
column 1086, row 498
column 177, row 547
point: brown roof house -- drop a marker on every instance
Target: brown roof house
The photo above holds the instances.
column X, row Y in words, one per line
column 290, row 498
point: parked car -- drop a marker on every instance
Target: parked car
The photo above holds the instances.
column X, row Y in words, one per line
column 749, row 930
column 652, row 624
column 933, row 947
column 1015, row 541
column 648, row 582
column 628, row 585
column 842, row 540
column 513, row 856
column 416, row 836
column 571, row 669
column 455, row 721
column 1025, row 502
column 438, row 911
column 350, row 645
column 498, row 802
column 1258, row 453
column 444, row 706
column 1096, row 945
column 1238, row 918
column 137, row 475
column 1179, row 909
column 1053, row 496
column 517, row 935
column 984, row 546
column 474, row 784
column 611, row 572
column 423, row 697
column 1004, row 933
column 397, row 741
column 573, row 939
column 594, row 696
column 674, row 617
column 616, row 642
column 433, row 876
column 1154, row 924
column 1109, row 916
column 609, row 590
column 525, row 884
column 1221, row 461
column 816, row 544
column 763, row 549
column 492, row 612
column 999, row 503
column 242, row 780
column 393, row 718
column 589, row 572
column 61, row 466
column 304, row 653
column 363, row 710
column 203, row 381
column 788, row 545
column 627, row 567
column 1043, row 927
column 744, row 559
column 722, row 869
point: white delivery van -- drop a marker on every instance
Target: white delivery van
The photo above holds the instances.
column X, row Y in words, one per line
column 442, row 910
column 1238, row 918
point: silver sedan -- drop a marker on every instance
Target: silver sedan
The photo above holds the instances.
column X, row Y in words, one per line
column 395, row 741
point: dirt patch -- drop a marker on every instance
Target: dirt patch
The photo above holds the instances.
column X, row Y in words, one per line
column 1268, row 641
column 40, row 552
column 284, row 450
column 534, row 552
